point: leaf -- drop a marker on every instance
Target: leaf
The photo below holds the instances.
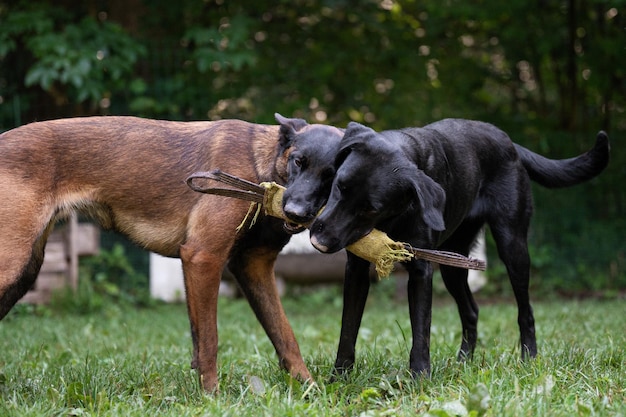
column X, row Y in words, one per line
column 75, row 395
column 479, row 399
column 545, row 385
column 6, row 46
column 256, row 385
column 455, row 408
column 437, row 413
column 583, row 409
column 370, row 394
column 34, row 76
column 203, row 36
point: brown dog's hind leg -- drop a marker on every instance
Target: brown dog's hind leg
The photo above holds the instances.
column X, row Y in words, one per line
column 202, row 271
column 254, row 271
column 20, row 262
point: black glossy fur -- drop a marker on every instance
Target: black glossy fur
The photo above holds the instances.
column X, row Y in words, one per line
column 311, row 169
column 435, row 187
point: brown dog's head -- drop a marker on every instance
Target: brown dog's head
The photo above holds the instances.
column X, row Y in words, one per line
column 375, row 185
column 311, row 152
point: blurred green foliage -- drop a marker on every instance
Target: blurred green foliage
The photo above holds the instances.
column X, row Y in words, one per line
column 551, row 73
column 108, row 281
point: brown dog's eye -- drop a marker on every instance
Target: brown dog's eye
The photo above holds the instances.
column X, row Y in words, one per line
column 297, row 162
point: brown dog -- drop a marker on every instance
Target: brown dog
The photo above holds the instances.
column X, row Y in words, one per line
column 129, row 175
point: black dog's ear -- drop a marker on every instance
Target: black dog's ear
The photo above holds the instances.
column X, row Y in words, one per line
column 288, row 128
column 357, row 132
column 355, row 135
column 432, row 200
column 355, row 127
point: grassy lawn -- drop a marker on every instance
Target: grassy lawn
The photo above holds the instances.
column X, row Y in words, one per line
column 136, row 362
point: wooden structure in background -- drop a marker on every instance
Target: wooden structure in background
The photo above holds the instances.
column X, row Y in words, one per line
column 60, row 266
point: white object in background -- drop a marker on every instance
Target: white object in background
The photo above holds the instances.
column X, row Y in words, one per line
column 166, row 274
column 300, row 243
column 166, row 278
column 478, row 279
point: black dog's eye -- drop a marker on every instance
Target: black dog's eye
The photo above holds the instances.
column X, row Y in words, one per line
column 299, row 162
column 369, row 211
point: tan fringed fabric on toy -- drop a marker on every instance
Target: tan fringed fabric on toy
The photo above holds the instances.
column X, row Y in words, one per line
column 376, row 247
column 381, row 250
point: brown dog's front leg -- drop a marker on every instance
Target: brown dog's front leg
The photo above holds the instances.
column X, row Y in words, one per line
column 202, row 272
column 254, row 271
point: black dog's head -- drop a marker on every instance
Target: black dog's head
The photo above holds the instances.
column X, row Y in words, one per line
column 375, row 184
column 310, row 168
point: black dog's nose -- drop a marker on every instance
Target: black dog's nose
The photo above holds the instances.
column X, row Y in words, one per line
column 321, row 242
column 297, row 214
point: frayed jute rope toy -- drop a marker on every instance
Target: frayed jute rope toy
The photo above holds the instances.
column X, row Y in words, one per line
column 376, row 247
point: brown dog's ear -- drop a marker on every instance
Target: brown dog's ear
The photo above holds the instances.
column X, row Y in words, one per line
column 432, row 200
column 288, row 128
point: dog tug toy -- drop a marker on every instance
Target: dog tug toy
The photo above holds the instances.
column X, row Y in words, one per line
column 375, row 247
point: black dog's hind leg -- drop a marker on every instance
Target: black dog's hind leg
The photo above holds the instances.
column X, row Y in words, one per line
column 511, row 241
column 355, row 290
column 456, row 283
column 455, row 280
column 419, row 290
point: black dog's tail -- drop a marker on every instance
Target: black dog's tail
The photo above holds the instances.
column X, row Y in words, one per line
column 557, row 173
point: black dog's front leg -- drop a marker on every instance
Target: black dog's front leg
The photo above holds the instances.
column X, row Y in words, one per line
column 355, row 289
column 420, row 288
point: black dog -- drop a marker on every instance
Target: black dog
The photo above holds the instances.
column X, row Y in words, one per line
column 435, row 187
column 310, row 168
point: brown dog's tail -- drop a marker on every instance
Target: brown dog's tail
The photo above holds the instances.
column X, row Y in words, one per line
column 558, row 173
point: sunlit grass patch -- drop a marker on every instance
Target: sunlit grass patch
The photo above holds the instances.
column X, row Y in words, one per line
column 137, row 362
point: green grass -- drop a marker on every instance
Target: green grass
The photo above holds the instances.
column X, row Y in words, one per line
column 136, row 362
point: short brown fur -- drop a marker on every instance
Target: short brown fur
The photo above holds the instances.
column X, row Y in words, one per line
column 129, row 174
